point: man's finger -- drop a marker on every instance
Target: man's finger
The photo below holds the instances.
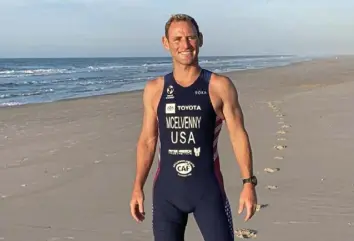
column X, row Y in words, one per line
column 141, row 210
column 250, row 210
column 141, row 206
column 140, row 216
column 241, row 206
column 133, row 211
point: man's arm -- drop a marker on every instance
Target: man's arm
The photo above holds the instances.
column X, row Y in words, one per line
column 146, row 145
column 235, row 123
column 240, row 142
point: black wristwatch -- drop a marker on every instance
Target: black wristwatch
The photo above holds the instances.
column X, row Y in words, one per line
column 252, row 180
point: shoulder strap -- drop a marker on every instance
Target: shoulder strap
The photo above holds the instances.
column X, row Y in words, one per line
column 168, row 78
column 207, row 75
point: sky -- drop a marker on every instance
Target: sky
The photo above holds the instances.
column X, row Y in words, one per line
column 133, row 28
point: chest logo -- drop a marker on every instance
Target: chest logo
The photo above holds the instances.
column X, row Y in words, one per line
column 184, row 168
column 196, row 151
column 200, row 92
column 189, row 107
column 170, row 90
column 170, row 108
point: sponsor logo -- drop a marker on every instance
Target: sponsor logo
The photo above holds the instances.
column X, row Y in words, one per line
column 170, row 90
column 184, row 168
column 189, row 107
column 196, row 151
column 170, row 108
column 180, row 152
column 200, row 92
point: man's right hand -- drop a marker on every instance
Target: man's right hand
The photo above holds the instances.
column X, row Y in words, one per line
column 137, row 205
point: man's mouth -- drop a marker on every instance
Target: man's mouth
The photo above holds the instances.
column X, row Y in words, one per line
column 185, row 53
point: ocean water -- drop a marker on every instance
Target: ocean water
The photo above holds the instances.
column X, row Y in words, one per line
column 24, row 81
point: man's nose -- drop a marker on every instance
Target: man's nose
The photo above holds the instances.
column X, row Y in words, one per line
column 185, row 43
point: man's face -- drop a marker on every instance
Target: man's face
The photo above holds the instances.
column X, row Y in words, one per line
column 183, row 42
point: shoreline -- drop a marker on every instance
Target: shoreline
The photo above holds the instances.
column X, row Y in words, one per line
column 135, row 91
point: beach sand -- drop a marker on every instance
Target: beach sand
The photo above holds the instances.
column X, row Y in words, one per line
column 66, row 168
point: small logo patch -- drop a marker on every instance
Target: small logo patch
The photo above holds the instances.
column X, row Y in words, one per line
column 180, row 152
column 197, row 151
column 170, row 90
column 200, row 92
column 170, row 108
column 184, row 168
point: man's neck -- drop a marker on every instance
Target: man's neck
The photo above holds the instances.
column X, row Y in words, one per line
column 186, row 75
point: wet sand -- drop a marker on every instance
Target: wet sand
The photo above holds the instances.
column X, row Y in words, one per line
column 66, row 168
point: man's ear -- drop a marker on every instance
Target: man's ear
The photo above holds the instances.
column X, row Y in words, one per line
column 165, row 43
column 201, row 39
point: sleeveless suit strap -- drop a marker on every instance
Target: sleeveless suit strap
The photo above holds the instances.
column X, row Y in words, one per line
column 207, row 75
column 168, row 77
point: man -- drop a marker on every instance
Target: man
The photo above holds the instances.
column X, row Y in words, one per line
column 183, row 113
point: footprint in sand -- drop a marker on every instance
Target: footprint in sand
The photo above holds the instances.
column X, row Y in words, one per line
column 285, row 126
column 23, row 159
column 273, row 107
column 280, row 147
column 280, row 122
column 272, row 187
column 271, row 170
column 111, row 154
column 53, row 151
column 260, row 206
column 270, row 104
column 245, row 233
column 281, row 139
column 280, row 115
column 278, row 157
column 282, row 132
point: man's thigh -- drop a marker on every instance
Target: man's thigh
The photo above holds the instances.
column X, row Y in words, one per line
column 169, row 223
column 214, row 218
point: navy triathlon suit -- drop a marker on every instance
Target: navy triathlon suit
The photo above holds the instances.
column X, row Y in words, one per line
column 188, row 179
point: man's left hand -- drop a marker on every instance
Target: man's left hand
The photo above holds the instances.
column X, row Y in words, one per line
column 248, row 199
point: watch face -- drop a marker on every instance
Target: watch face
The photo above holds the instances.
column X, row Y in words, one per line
column 252, row 180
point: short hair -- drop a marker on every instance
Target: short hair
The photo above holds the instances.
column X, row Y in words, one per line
column 180, row 17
